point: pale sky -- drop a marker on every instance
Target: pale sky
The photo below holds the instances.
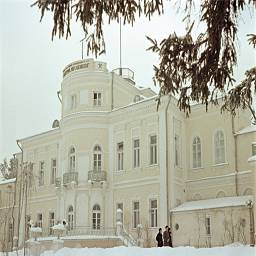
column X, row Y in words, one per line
column 31, row 64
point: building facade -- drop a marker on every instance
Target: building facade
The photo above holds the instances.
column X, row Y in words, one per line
column 112, row 149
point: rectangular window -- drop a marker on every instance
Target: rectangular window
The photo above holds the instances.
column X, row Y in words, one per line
column 51, row 222
column 136, row 214
column 0, row 198
column 39, row 220
column 153, row 149
column 27, row 223
column 41, row 173
column 253, row 149
column 120, row 215
column 73, row 101
column 177, row 150
column 153, row 213
column 97, row 99
column 53, row 171
column 136, row 153
column 208, row 226
column 120, row 156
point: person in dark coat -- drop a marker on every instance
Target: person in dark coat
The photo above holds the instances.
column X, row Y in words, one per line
column 170, row 237
column 159, row 238
column 166, row 236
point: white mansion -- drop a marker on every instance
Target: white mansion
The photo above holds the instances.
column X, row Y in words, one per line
column 112, row 149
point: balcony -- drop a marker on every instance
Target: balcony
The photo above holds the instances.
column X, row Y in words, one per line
column 70, row 177
column 97, row 176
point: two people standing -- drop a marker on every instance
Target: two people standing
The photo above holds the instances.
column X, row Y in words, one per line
column 164, row 239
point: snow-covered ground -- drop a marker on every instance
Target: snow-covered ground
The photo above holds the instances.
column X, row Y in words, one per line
column 235, row 250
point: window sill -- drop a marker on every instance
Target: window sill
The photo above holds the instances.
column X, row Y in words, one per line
column 152, row 165
column 197, row 168
column 221, row 164
column 119, row 172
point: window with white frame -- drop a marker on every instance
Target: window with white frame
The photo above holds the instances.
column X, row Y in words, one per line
column 136, row 153
column 153, row 213
column 120, row 206
column 39, row 221
column 136, row 214
column 97, row 98
column 208, row 226
column 120, row 156
column 96, row 216
column 41, row 173
column 196, row 152
column 177, row 150
column 254, row 149
column 70, row 217
column 72, row 159
column 53, row 171
column 153, row 149
column 219, row 145
column 51, row 222
column 73, row 101
column 97, row 158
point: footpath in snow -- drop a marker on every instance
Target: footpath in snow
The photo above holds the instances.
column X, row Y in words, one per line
column 164, row 251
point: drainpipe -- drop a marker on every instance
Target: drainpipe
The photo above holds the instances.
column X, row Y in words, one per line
column 235, row 141
column 20, row 197
column 167, row 159
column 112, row 91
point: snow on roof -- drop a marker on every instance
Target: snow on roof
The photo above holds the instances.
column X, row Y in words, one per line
column 212, row 203
column 59, row 227
column 252, row 159
column 54, row 130
column 4, row 181
column 36, row 230
column 250, row 128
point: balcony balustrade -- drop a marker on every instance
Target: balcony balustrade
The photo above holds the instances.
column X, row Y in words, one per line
column 80, row 231
column 126, row 73
column 97, row 176
column 70, row 177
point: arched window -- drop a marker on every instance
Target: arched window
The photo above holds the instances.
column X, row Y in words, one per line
column 136, row 98
column 70, row 217
column 97, row 158
column 219, row 145
column 248, row 192
column 220, row 194
column 72, row 159
column 196, row 151
column 96, row 217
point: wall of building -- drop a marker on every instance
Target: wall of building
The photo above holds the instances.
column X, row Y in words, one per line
column 172, row 180
column 228, row 225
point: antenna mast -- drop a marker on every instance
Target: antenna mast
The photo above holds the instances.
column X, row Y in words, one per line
column 120, row 47
column 82, row 41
